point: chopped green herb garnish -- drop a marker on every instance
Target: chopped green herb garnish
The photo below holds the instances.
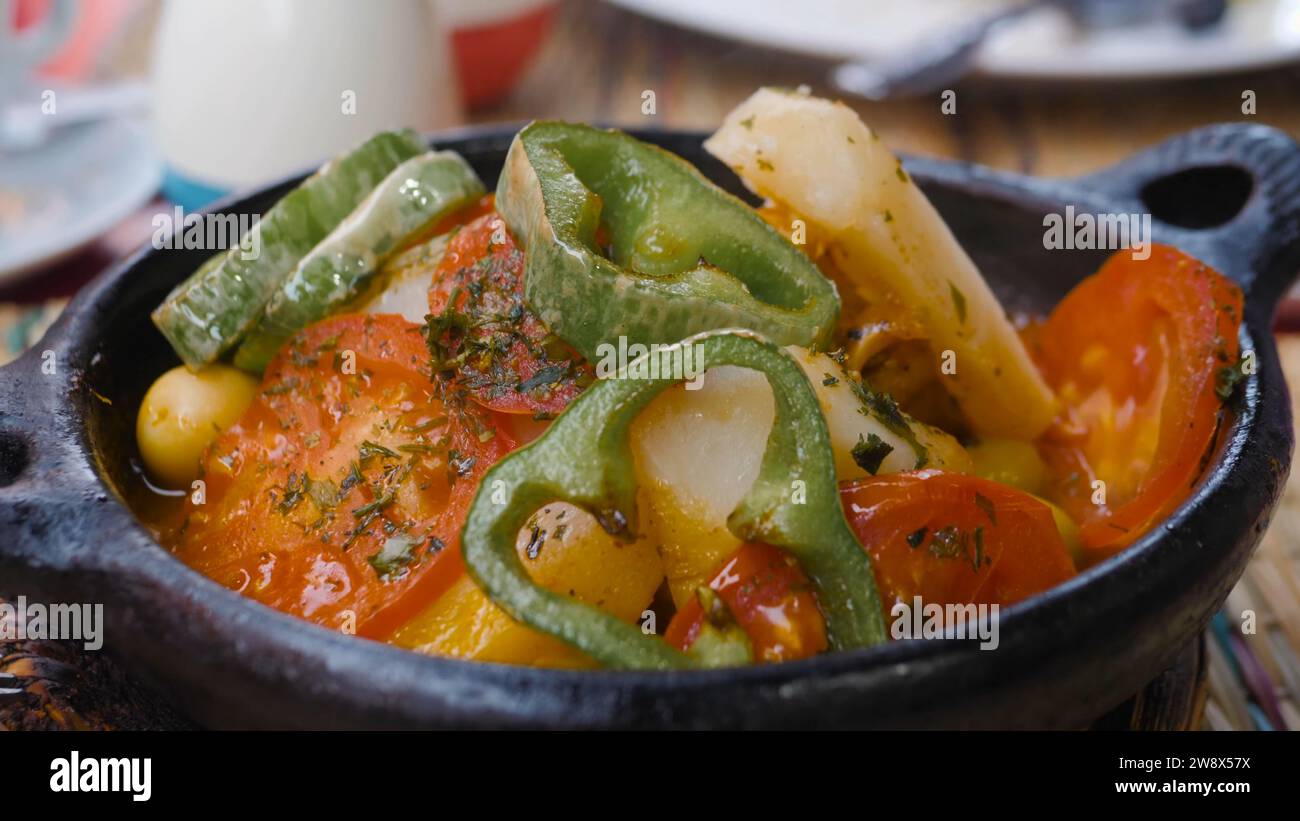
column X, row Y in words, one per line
column 949, row 543
column 983, row 503
column 294, row 490
column 915, row 538
column 425, row 425
column 1226, row 380
column 952, row 542
column 397, row 553
column 353, row 479
column 368, row 449
column 458, row 464
column 870, row 452
column 371, row 508
column 323, row 493
column 282, row 387
column 549, row 375
column 417, row 447
column 883, row 408
column 535, row 541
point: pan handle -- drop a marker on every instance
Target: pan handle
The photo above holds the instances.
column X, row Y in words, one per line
column 1227, row 194
column 38, row 533
column 16, row 446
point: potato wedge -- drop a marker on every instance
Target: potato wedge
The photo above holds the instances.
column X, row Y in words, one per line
column 698, row 451
column 817, row 159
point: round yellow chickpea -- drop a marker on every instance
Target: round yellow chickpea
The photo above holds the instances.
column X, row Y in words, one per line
column 183, row 412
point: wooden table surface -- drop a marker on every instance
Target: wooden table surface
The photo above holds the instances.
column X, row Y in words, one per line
column 599, row 62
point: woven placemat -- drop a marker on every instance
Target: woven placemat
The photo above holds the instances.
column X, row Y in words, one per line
column 1249, row 659
column 22, row 325
column 1253, row 646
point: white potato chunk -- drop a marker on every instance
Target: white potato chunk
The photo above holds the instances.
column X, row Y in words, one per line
column 403, row 286
column 850, row 420
column 818, row 160
column 698, row 452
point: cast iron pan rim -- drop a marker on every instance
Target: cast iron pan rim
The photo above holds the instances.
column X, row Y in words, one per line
column 1020, row 623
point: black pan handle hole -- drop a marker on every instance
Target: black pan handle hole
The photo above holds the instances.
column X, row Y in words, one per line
column 1206, row 196
column 13, row 458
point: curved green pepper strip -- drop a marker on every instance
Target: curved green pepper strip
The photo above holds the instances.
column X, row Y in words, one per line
column 411, row 199
column 683, row 256
column 585, row 459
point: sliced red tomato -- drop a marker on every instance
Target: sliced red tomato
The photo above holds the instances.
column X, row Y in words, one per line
column 768, row 596
column 340, row 494
column 1138, row 354
column 500, row 352
column 950, row 538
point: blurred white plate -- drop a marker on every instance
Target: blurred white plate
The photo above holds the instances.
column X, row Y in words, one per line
column 1254, row 34
column 85, row 180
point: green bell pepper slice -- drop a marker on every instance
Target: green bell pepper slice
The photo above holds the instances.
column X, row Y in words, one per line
column 413, row 197
column 585, row 459
column 683, row 256
column 210, row 312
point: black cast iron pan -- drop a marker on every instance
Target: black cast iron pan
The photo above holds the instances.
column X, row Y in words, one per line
column 1228, row 194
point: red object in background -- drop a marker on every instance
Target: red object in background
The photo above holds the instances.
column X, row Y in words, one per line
column 490, row 58
column 95, row 28
column 27, row 12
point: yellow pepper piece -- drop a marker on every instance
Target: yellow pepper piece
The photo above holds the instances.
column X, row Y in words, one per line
column 564, row 550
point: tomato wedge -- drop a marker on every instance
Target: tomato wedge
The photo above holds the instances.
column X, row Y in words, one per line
column 950, row 538
column 769, row 597
column 501, row 353
column 1139, row 354
column 340, row 494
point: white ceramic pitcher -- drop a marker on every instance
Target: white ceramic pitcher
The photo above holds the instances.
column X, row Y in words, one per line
column 249, row 90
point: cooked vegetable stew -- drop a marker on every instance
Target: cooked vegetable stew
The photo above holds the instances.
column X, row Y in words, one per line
column 613, row 416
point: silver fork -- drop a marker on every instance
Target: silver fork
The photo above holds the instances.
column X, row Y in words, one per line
column 940, row 61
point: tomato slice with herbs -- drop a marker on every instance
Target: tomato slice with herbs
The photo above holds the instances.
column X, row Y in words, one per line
column 950, row 538
column 481, row 329
column 762, row 590
column 340, row 494
column 1142, row 355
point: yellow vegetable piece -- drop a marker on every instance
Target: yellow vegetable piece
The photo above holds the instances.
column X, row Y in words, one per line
column 1069, row 532
column 1011, row 462
column 1016, row 463
column 565, row 550
column 183, row 412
